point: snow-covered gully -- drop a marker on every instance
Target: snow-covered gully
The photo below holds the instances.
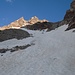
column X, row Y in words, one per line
column 53, row 53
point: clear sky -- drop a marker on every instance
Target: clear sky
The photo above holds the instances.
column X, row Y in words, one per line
column 52, row 10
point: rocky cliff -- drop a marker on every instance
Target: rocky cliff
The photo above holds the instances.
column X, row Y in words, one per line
column 69, row 17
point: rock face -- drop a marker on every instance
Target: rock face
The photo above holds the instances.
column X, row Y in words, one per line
column 73, row 5
column 21, row 22
column 43, row 25
column 13, row 33
column 70, row 16
column 40, row 26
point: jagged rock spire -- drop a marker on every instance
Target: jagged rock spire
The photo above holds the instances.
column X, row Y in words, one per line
column 33, row 20
column 35, row 17
column 22, row 22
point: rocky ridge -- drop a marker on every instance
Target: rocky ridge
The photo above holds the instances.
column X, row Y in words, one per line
column 35, row 24
column 22, row 22
column 69, row 17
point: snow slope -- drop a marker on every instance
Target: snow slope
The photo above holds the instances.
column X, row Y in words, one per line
column 52, row 54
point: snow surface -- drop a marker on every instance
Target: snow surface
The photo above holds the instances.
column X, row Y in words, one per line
column 52, row 54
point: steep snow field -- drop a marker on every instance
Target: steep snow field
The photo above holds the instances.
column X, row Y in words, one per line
column 52, row 54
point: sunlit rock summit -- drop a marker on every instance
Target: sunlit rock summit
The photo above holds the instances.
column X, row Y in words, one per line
column 22, row 22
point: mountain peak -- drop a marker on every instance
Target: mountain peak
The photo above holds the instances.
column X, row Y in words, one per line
column 33, row 20
column 34, row 17
column 21, row 18
column 22, row 22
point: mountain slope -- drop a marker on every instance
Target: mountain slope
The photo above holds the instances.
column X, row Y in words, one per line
column 39, row 47
column 53, row 53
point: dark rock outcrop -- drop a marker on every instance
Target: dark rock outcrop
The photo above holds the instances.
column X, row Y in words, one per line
column 70, row 16
column 16, row 48
column 72, row 6
column 39, row 26
column 13, row 33
column 44, row 25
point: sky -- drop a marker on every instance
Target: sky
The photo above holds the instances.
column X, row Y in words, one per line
column 52, row 10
